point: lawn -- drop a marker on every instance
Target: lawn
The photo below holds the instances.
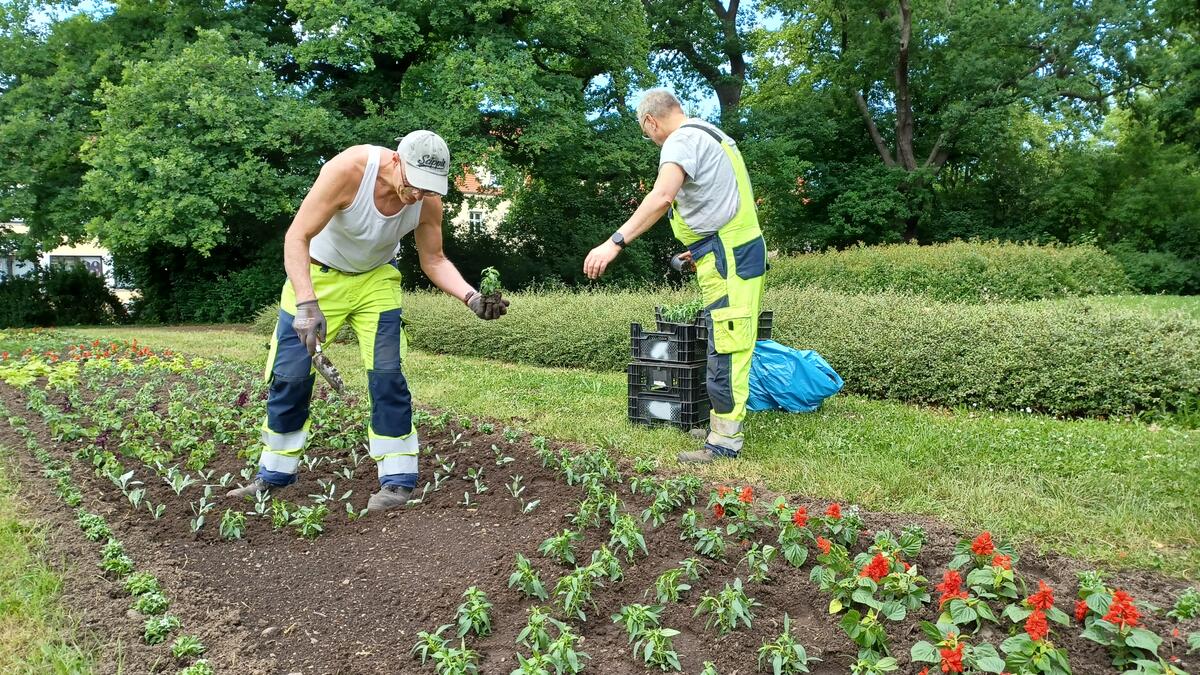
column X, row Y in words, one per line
column 1112, row 492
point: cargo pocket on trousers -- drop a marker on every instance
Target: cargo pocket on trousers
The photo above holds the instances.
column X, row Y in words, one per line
column 750, row 259
column 731, row 330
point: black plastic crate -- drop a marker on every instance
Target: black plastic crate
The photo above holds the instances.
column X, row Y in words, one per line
column 678, row 344
column 765, row 320
column 652, row 409
column 683, row 381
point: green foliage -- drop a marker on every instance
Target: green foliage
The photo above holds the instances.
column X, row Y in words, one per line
column 1187, row 605
column 151, row 603
column 158, row 628
column 784, row 655
column 472, row 614
column 1157, row 271
column 60, row 297
column 1059, row 357
column 684, row 312
column 977, row 272
column 140, row 583
column 727, row 608
column 187, row 647
column 526, row 578
column 200, row 667
column 489, row 282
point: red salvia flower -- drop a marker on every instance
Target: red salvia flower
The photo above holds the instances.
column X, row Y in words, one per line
column 800, row 517
column 723, row 490
column 952, row 659
column 718, row 511
column 823, row 544
column 907, row 567
column 1081, row 610
column 1002, row 561
column 951, row 588
column 877, row 569
column 746, row 496
column 1043, row 599
column 924, row 671
column 1122, row 613
column 1036, row 625
column 983, row 544
column 834, row 510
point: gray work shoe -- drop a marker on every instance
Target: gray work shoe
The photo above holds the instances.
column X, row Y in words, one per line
column 255, row 486
column 388, row 497
column 701, row 456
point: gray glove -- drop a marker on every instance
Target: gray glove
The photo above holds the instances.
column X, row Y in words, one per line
column 487, row 309
column 310, row 324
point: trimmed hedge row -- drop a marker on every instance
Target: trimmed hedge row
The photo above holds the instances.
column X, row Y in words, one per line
column 959, row 271
column 1063, row 358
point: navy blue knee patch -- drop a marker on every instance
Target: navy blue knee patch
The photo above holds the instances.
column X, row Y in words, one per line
column 391, row 402
column 288, row 401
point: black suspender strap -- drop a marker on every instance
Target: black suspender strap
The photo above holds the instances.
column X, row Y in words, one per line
column 710, row 132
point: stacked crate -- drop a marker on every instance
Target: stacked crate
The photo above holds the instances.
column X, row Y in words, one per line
column 668, row 372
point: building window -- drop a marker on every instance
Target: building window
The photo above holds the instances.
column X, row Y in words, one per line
column 475, row 222
column 93, row 263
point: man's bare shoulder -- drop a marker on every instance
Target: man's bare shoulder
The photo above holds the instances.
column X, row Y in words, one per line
column 341, row 175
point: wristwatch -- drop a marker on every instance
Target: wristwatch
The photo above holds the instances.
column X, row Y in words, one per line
column 618, row 239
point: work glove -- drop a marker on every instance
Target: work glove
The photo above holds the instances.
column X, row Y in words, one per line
column 309, row 324
column 682, row 262
column 487, row 310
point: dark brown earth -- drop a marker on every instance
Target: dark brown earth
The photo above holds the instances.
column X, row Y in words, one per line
column 353, row 600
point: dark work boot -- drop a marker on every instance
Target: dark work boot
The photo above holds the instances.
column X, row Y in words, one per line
column 388, row 497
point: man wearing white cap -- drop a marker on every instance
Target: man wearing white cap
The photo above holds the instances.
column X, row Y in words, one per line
column 338, row 254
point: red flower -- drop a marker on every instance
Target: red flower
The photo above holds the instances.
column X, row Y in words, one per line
column 1122, row 613
column 718, row 511
column 800, row 517
column 1000, row 560
column 907, row 567
column 1081, row 610
column 952, row 659
column 3, row 356
column 877, row 569
column 834, row 510
column 1043, row 599
column 924, row 671
column 951, row 588
column 983, row 544
column 746, row 496
column 823, row 544
column 1036, row 625
column 722, row 490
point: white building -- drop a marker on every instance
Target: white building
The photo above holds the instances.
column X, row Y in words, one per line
column 484, row 205
column 97, row 259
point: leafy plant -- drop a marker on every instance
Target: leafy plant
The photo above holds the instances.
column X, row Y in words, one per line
column 605, row 564
column 151, row 603
column 489, row 281
column 472, row 614
column 429, row 644
column 157, row 628
column 563, row 654
column 785, row 655
column 309, row 521
column 656, row 650
column 280, row 513
column 980, row 552
column 187, row 647
column 113, row 559
column 627, row 536
column 668, row 587
column 573, row 592
column 140, row 583
column 684, row 312
column 953, row 653
column 866, row 630
column 535, row 635
column 536, row 664
column 1120, row 631
column 233, row 524
column 527, row 580
column 460, row 660
column 559, row 546
column 200, row 667
column 1187, row 605
column 636, row 618
column 710, row 542
column 758, row 559
column 727, row 608
column 94, row 527
column 870, row 663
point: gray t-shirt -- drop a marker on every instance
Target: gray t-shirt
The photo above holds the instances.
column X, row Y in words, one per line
column 709, row 196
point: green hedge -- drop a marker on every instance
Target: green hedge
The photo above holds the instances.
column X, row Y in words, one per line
column 958, row 272
column 1061, row 357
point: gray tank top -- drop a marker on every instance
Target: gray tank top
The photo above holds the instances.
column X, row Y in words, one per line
column 359, row 238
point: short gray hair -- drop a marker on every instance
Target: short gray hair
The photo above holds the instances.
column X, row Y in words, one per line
column 657, row 102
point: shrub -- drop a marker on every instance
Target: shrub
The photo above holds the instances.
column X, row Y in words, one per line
column 1157, row 271
column 958, row 271
column 1062, row 357
column 67, row 296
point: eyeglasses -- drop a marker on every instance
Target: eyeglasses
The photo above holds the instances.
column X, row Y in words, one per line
column 642, row 126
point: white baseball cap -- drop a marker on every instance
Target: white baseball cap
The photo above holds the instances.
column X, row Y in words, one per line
column 426, row 160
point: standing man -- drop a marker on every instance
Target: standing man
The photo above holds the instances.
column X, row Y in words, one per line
column 338, row 253
column 703, row 184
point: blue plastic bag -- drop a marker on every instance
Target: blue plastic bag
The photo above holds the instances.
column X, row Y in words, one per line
column 795, row 380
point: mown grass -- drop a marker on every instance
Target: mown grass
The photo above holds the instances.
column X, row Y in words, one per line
column 35, row 630
column 1121, row 493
